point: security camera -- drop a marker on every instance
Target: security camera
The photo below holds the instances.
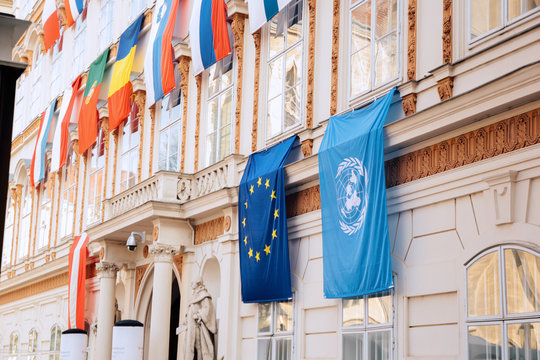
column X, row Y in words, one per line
column 131, row 242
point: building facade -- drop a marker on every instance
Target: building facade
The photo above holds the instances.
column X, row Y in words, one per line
column 462, row 159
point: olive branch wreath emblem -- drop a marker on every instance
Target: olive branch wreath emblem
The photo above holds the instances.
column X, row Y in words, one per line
column 356, row 164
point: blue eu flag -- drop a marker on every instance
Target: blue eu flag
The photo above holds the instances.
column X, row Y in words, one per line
column 356, row 252
column 264, row 245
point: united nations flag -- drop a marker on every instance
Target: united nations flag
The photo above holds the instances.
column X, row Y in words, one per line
column 356, row 252
column 264, row 245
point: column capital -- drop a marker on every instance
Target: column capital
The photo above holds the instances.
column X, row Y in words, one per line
column 163, row 253
column 107, row 269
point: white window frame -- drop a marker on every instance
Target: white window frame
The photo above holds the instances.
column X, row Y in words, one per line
column 106, row 24
column 365, row 329
column 25, row 216
column 137, row 10
column 272, row 335
column 66, row 227
column 19, row 110
column 8, row 228
column 54, row 348
column 79, row 50
column 505, row 23
column 44, row 223
column 33, row 344
column 168, row 129
column 265, row 73
column 92, row 172
column 125, row 185
column 36, row 86
column 355, row 99
column 57, row 73
column 503, row 319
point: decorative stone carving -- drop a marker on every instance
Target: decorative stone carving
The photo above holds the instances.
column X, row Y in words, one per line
column 101, row 253
column 500, row 195
column 409, row 104
column 139, row 274
column 113, row 51
column 444, row 87
column 209, row 230
column 492, row 140
column 106, row 269
column 63, row 16
column 237, row 26
column 198, row 80
column 335, row 58
column 115, row 160
column 147, row 18
column 163, row 252
column 155, row 233
column 77, row 164
column 152, row 111
column 183, row 191
column 303, row 202
column 201, row 324
column 145, row 251
column 34, row 289
column 447, row 31
column 307, row 147
column 140, row 100
column 106, row 139
column 183, row 68
column 178, row 260
column 227, row 223
column 312, row 4
column 411, row 42
column 52, row 183
column 255, row 123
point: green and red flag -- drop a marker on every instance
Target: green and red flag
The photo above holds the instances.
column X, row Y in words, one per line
column 88, row 117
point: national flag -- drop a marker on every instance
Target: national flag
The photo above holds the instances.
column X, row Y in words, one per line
column 208, row 34
column 264, row 245
column 37, row 168
column 77, row 281
column 120, row 87
column 51, row 27
column 356, row 251
column 262, row 11
column 61, row 134
column 89, row 115
column 158, row 64
column 74, row 8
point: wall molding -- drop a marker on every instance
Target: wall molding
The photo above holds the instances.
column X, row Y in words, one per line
column 209, row 230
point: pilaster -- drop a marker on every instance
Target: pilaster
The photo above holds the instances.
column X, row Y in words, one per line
column 183, row 68
column 254, row 129
column 107, row 280
column 238, row 25
column 335, row 58
column 198, row 80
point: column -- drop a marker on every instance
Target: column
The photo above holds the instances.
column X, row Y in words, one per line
column 107, row 282
column 161, row 301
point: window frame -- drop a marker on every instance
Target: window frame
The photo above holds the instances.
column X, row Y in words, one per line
column 7, row 246
column 133, row 15
column 106, row 24
column 56, row 73
column 167, row 129
column 71, row 162
column 272, row 335
column 503, row 319
column 56, row 334
column 79, row 49
column 100, row 166
column 33, row 346
column 44, row 187
column 132, row 148
column 27, row 197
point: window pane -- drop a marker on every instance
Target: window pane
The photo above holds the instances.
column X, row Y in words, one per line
column 518, row 7
column 225, row 142
column 485, row 342
column 274, row 117
column 284, row 315
column 226, row 108
column 380, row 308
column 522, row 281
column 385, row 59
column 379, row 345
column 163, row 141
column 485, row 15
column 275, row 78
column 265, row 317
column 353, row 312
column 483, row 286
column 264, row 349
column 360, row 75
column 283, row 349
column 211, row 148
column 360, row 27
column 294, row 18
column 276, row 42
column 352, row 346
column 386, row 17
column 524, row 341
column 292, row 106
column 294, row 67
column 212, row 115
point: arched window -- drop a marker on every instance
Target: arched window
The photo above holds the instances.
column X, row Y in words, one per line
column 503, row 304
column 54, row 347
column 24, row 232
column 32, row 344
column 13, row 345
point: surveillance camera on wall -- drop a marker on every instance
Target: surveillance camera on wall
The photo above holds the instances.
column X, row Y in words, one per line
column 133, row 239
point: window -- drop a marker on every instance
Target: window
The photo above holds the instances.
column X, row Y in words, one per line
column 137, row 6
column 54, row 346
column 80, row 45
column 373, row 51
column 129, row 158
column 19, row 106
column 169, row 133
column 105, row 24
column 45, row 213
column 285, row 61
column 503, row 305
column 220, row 111
column 487, row 15
column 57, row 72
column 96, row 166
column 32, row 344
column 8, row 232
column 68, row 195
column 24, row 233
column 275, row 331
column 367, row 327
column 36, row 85
column 13, row 345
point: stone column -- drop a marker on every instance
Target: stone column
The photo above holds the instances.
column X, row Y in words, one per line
column 107, row 282
column 161, row 301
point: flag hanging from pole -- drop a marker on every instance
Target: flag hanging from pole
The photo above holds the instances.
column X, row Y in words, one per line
column 88, row 117
column 37, row 169
column 51, row 27
column 356, row 252
column 74, row 8
column 120, row 87
column 262, row 11
column 77, row 281
column 262, row 220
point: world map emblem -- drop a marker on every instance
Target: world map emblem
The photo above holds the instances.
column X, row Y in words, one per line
column 352, row 196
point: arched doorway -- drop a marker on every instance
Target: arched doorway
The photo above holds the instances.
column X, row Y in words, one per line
column 175, row 319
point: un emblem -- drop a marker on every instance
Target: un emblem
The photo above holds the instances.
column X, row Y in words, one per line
column 352, row 197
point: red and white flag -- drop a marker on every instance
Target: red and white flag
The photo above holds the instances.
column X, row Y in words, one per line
column 51, row 27
column 77, row 281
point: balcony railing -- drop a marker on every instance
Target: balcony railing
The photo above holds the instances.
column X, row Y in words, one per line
column 173, row 187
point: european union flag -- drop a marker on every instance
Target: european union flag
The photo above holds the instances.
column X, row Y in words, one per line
column 356, row 252
column 262, row 220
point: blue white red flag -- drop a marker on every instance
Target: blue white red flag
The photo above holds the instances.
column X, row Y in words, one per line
column 262, row 11
column 74, row 8
column 208, row 34
column 37, row 169
column 158, row 64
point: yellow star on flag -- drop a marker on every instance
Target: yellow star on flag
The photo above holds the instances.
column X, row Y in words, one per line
column 259, row 182
column 274, row 235
column 250, row 253
column 276, row 215
column 267, row 183
column 257, row 257
column 251, row 189
column 267, row 249
column 244, row 222
column 245, row 204
column 245, row 240
column 273, row 195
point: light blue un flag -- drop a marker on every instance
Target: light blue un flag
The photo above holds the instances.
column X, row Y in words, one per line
column 356, row 251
